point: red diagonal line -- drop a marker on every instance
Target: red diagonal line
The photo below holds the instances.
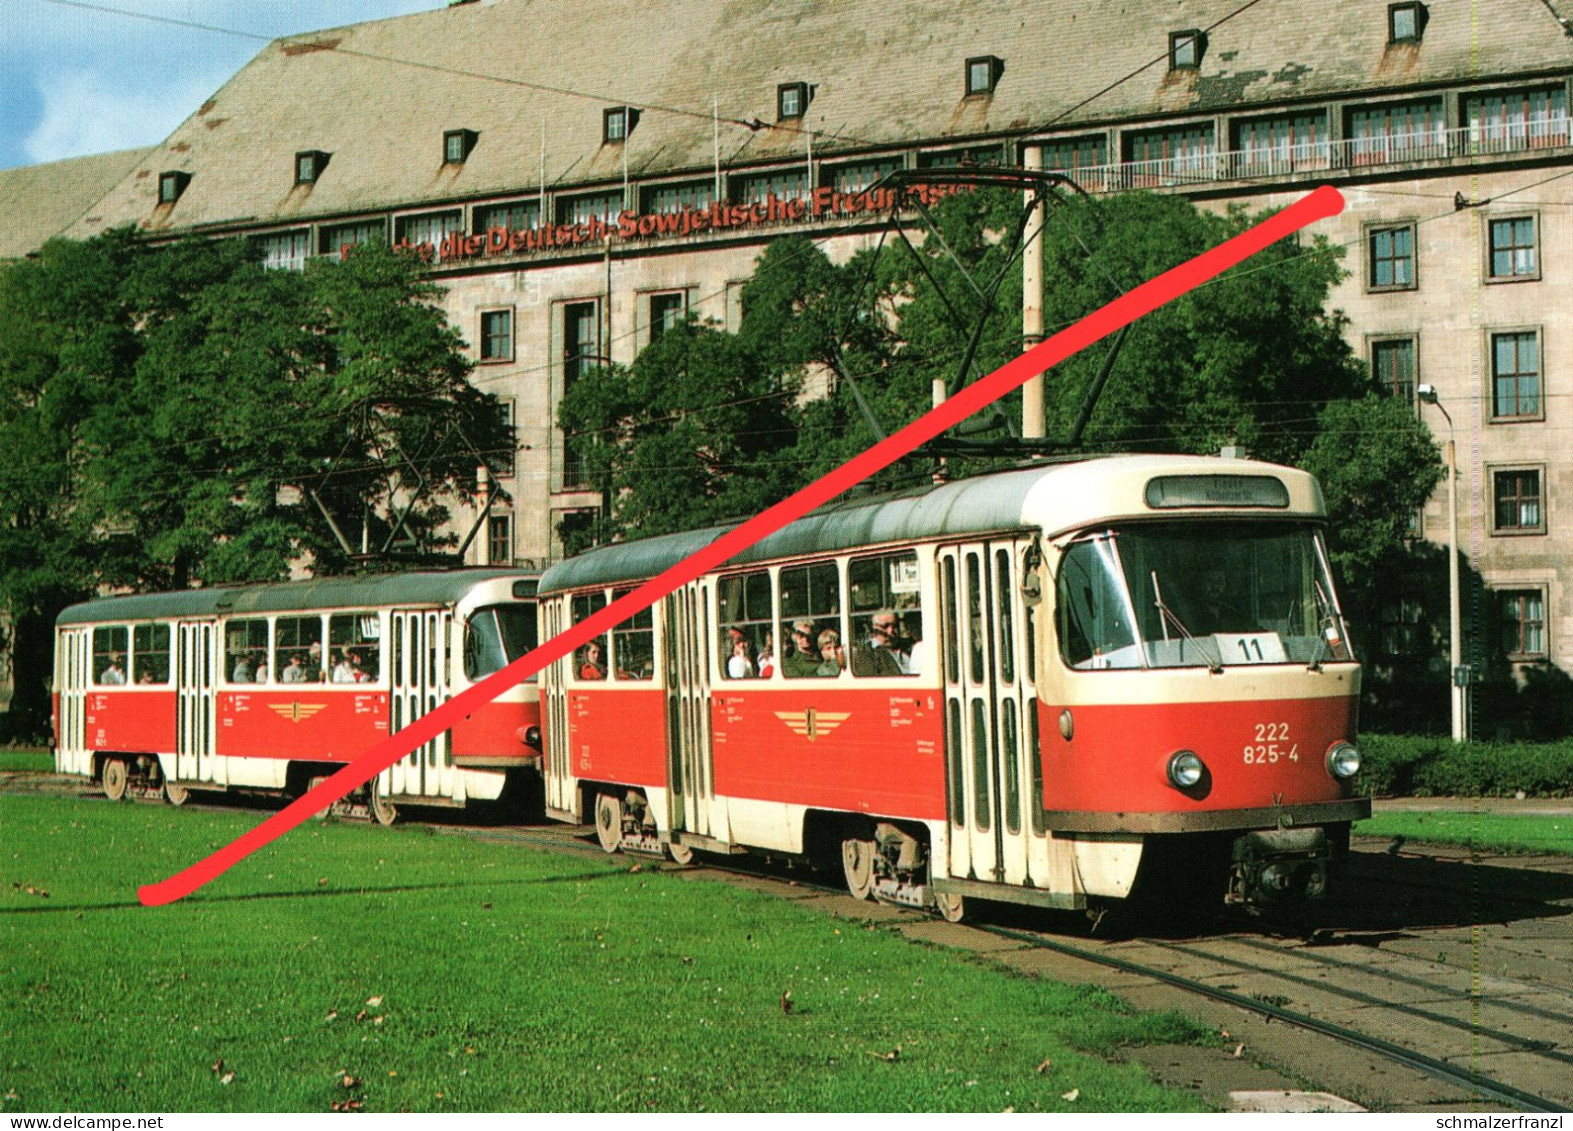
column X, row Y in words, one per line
column 1318, row 205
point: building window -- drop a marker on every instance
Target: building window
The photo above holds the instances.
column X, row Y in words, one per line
column 1185, row 49
column 499, row 539
column 697, row 195
column 171, row 185
column 861, row 175
column 1406, row 23
column 427, row 229
column 1397, row 131
column 581, row 340
column 666, row 312
column 1512, row 120
column 1392, row 258
column 1403, row 628
column 497, row 335
column 618, row 122
column 309, row 166
column 1522, row 614
column 515, row 216
column 1515, row 375
column 1175, row 155
column 792, row 99
column 972, row 157
column 983, row 74
column 502, row 462
column 581, row 209
column 1516, row 498
column 286, row 251
column 1283, row 144
column 336, row 239
column 1510, row 252
column 1393, row 366
column 784, row 184
column 456, row 146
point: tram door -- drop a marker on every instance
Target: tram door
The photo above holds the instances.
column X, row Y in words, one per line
column 419, row 678
column 72, row 663
column 196, row 721
column 561, row 785
column 689, row 752
column 988, row 706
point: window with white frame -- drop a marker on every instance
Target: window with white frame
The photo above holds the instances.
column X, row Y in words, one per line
column 673, row 197
column 785, row 184
column 336, row 238
column 1505, row 121
column 1397, row 131
column 285, row 251
column 428, row 228
column 514, row 216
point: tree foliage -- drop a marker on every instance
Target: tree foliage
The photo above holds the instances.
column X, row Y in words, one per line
column 174, row 414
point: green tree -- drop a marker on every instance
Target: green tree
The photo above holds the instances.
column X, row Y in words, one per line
column 176, row 414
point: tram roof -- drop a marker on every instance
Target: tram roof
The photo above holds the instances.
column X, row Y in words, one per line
column 415, row 588
column 1053, row 496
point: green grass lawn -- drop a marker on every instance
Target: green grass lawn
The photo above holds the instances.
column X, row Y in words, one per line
column 439, row 973
column 1494, row 831
column 40, row 761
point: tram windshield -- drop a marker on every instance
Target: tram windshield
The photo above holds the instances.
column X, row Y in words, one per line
column 1198, row 594
column 497, row 635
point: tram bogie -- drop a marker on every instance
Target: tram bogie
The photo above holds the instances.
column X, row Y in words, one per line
column 1032, row 686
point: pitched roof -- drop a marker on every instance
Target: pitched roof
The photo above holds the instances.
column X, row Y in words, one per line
column 531, row 76
column 44, row 200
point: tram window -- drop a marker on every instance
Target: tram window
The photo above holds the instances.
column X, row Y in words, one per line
column 109, row 655
column 150, row 653
column 746, row 618
column 811, row 619
column 298, row 650
column 633, row 644
column 355, row 648
column 948, row 608
column 887, row 616
column 1004, row 598
column 975, row 624
column 590, row 661
column 497, row 635
column 246, row 651
column 1094, row 622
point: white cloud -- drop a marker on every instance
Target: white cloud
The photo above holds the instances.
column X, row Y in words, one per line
column 89, row 112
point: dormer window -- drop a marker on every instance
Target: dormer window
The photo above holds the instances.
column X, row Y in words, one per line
column 792, row 99
column 1185, row 49
column 1406, row 22
column 456, row 146
column 983, row 74
column 618, row 122
column 171, row 185
column 309, row 166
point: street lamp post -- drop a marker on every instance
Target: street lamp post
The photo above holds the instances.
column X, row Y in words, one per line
column 1458, row 674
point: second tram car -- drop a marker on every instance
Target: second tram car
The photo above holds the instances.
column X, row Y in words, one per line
column 1037, row 686
column 269, row 687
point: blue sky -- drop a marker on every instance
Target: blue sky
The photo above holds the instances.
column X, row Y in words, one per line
column 80, row 78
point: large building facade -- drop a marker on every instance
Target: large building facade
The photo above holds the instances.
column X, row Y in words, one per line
column 580, row 179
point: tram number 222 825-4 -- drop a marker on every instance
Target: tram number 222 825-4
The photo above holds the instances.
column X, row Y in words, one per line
column 1272, row 744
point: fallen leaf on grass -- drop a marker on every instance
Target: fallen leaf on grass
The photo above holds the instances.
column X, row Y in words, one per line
column 892, row 1056
column 217, row 1067
column 786, row 1001
column 227, row 1078
column 332, row 1014
column 374, row 1002
column 1239, row 1050
column 348, row 1081
column 346, row 1105
column 362, row 1015
column 1071, row 1095
column 1044, row 1066
column 322, row 881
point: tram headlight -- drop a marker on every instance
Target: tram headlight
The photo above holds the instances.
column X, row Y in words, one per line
column 1343, row 760
column 1185, row 769
column 530, row 736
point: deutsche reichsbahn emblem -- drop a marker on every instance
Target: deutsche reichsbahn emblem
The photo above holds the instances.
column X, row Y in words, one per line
column 812, row 724
column 296, row 712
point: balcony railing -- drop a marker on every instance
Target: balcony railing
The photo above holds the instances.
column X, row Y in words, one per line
column 1350, row 153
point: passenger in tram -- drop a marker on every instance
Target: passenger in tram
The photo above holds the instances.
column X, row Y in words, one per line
column 114, row 673
column 767, row 657
column 877, row 656
column 594, row 665
column 242, row 670
column 739, row 664
column 832, row 657
column 342, row 671
column 294, row 671
column 314, row 663
column 803, row 660
column 146, row 676
column 912, row 649
column 259, row 668
column 358, row 672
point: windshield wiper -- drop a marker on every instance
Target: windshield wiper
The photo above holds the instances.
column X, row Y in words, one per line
column 1168, row 614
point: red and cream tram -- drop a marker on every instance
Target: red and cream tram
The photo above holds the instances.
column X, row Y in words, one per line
column 1031, row 686
column 268, row 687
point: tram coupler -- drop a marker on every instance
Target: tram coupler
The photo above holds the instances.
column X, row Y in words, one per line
column 145, row 779
column 1279, row 865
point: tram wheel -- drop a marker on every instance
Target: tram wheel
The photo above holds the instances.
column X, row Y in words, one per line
column 115, row 778
column 951, row 907
column 608, row 821
column 857, row 864
column 383, row 811
column 680, row 853
column 176, row 794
